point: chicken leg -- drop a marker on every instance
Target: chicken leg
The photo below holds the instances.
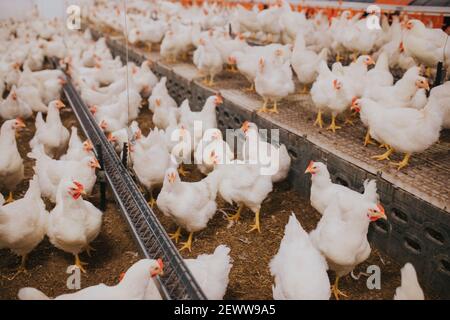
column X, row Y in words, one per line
column 235, row 217
column 264, row 107
column 152, row 200
column 188, row 243
column 319, row 120
column 176, row 235
column 211, row 81
column 22, row 268
column 181, row 171
column 367, row 139
column 88, row 249
column 333, row 127
column 274, row 108
column 251, row 88
column 10, row 198
column 336, row 291
column 79, row 264
column 385, row 155
column 404, row 162
column 255, row 226
column 305, row 89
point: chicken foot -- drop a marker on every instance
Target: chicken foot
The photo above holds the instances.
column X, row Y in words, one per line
column 181, row 171
column 255, row 226
column 305, row 89
column 22, row 268
column 235, row 217
column 152, row 200
column 404, row 162
column 367, row 139
column 385, row 155
column 10, row 198
column 79, row 264
column 319, row 120
column 264, row 107
column 274, row 108
column 333, row 127
column 336, row 291
column 188, row 243
column 176, row 235
column 251, row 88
column 88, row 249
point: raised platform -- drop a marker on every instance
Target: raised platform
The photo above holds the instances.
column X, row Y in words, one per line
column 417, row 198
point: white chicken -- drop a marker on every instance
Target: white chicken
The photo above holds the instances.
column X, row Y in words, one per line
column 341, row 235
column 190, row 204
column 208, row 61
column 410, row 288
column 273, row 82
column 274, row 161
column 241, row 183
column 51, row 133
column 212, row 141
column 160, row 92
column 305, row 62
column 426, row 45
column 299, row 269
column 11, row 163
column 404, row 130
column 73, row 223
column 324, row 191
column 23, row 223
column 198, row 122
column 158, row 155
column 13, row 106
column 51, row 172
column 77, row 150
column 133, row 285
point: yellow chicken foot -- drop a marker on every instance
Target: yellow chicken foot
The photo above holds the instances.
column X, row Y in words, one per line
column 319, row 120
column 89, row 249
column 336, row 291
column 264, row 107
column 367, row 139
column 232, row 68
column 205, row 81
column 152, row 201
column 274, row 108
column 176, row 235
column 255, row 226
column 22, row 268
column 80, row 264
column 305, row 89
column 235, row 217
column 383, row 145
column 188, row 243
column 404, row 162
column 211, row 81
column 428, row 72
column 181, row 171
column 338, row 57
column 10, row 198
column 251, row 88
column 384, row 156
column 333, row 127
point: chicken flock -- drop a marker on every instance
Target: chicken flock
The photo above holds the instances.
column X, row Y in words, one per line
column 399, row 115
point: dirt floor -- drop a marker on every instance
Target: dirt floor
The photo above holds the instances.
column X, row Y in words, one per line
column 115, row 251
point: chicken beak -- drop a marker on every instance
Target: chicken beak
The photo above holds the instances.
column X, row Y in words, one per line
column 310, row 169
column 93, row 109
column 231, row 60
column 426, row 85
column 370, row 61
column 355, row 107
column 382, row 214
column 87, row 145
column 111, row 138
column 19, row 123
column 245, row 126
column 219, row 99
column 95, row 163
column 158, row 102
column 60, row 104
